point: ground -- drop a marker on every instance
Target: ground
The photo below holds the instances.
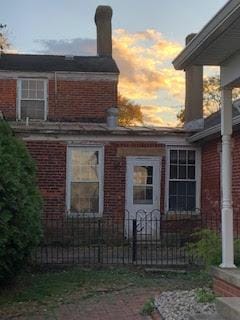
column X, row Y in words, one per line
column 101, row 294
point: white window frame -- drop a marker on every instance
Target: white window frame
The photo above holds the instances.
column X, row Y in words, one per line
column 19, row 97
column 100, row 149
column 197, row 176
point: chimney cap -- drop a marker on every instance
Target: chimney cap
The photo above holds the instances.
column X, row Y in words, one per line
column 103, row 12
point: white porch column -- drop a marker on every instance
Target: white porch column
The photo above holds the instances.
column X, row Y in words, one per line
column 227, row 209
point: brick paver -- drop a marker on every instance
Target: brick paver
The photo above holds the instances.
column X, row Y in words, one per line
column 115, row 306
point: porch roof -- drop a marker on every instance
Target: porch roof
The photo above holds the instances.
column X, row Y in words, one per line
column 217, row 41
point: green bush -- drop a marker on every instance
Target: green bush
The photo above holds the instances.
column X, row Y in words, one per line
column 208, row 248
column 20, row 204
column 204, row 295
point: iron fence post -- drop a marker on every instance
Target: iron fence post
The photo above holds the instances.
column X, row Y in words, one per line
column 134, row 234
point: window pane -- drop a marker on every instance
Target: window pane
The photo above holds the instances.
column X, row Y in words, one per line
column 191, row 188
column 40, row 94
column 182, row 156
column 84, row 173
column 40, row 85
column 84, row 157
column 191, row 172
column 172, row 203
column 182, row 172
column 181, row 203
column 142, row 175
column 142, row 195
column 24, row 84
column 33, row 109
column 191, row 157
column 172, row 188
column 173, row 172
column 33, row 85
column 25, row 94
column 85, row 197
column 173, row 156
column 181, row 188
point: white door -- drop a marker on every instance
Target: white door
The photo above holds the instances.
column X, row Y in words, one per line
column 143, row 195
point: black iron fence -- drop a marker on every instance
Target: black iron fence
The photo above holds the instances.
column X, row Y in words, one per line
column 143, row 239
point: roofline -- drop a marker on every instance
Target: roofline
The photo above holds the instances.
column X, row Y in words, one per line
column 216, row 26
column 210, row 131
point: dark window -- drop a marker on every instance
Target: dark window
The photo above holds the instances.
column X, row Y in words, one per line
column 182, row 180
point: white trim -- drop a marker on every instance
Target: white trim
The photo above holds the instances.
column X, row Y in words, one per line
column 209, row 33
column 100, row 149
column 19, row 97
column 73, row 76
column 154, row 161
column 197, row 173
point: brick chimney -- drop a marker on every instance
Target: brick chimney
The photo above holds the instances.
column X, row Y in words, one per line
column 194, row 95
column 103, row 17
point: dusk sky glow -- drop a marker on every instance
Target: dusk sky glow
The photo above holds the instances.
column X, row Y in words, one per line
column 147, row 35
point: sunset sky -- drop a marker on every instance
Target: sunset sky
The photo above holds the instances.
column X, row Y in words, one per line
column 147, row 35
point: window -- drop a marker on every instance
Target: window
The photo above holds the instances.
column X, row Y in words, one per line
column 85, row 180
column 143, row 185
column 32, row 102
column 182, row 182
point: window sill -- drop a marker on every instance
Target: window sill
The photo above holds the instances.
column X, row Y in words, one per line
column 181, row 215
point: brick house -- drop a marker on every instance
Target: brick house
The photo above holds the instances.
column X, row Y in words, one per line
column 64, row 109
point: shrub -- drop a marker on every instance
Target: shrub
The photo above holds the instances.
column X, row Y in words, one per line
column 20, row 204
column 204, row 295
column 208, row 248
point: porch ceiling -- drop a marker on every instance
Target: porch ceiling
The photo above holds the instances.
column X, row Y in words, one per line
column 216, row 42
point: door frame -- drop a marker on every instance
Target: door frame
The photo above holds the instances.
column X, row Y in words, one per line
column 132, row 159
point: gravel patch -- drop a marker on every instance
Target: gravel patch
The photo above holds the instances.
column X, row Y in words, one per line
column 180, row 304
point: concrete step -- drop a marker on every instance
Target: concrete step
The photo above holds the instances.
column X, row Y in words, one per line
column 228, row 308
column 214, row 316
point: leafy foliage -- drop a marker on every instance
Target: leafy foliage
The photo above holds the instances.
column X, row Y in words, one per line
column 211, row 97
column 4, row 44
column 208, row 248
column 20, row 204
column 204, row 295
column 148, row 307
column 129, row 113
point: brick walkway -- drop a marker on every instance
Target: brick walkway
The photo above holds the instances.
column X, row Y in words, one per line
column 115, row 306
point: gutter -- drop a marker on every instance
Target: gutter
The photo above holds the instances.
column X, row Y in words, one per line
column 210, row 131
column 215, row 27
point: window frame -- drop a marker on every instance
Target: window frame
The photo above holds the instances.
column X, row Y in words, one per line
column 197, row 177
column 19, row 98
column 100, row 150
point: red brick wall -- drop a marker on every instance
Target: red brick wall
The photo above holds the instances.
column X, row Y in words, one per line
column 210, row 181
column 8, row 89
column 224, row 289
column 50, row 158
column 83, row 101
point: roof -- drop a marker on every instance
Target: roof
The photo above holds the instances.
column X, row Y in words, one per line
column 212, row 125
column 216, row 41
column 70, row 128
column 48, row 63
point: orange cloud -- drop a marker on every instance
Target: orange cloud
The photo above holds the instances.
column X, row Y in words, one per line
column 142, row 58
column 156, row 115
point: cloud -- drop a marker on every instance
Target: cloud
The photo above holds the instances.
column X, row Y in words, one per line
column 144, row 61
column 156, row 115
column 76, row 46
column 146, row 73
